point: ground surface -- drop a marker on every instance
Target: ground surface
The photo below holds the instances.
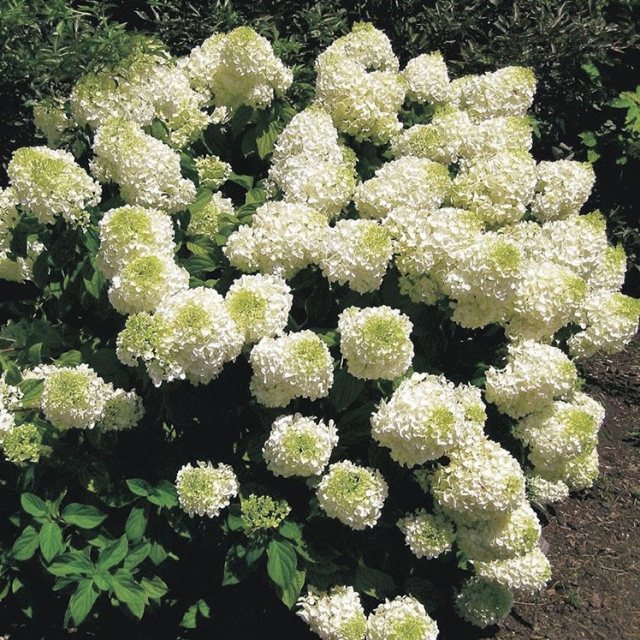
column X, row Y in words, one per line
column 594, row 538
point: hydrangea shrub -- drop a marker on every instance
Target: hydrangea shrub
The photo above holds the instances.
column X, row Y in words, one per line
column 346, row 330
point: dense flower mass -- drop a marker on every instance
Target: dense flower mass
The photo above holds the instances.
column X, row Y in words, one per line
column 299, row 446
column 344, row 295
column 205, row 490
column 352, row 494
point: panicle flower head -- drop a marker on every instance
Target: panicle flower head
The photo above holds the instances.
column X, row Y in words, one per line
column 356, row 253
column 50, row 119
column 513, row 534
column 146, row 170
column 524, row 574
column 410, row 182
column 334, row 615
column 207, row 217
column 426, row 417
column 259, row 305
column 283, row 238
column 354, row 495
column 22, row 444
column 144, row 282
column 483, row 602
column 543, row 492
column 212, row 171
column 49, row 183
column 403, row 618
column 428, row 535
column 260, row 513
column 563, row 187
column 535, row 374
column 129, row 232
column 299, row 445
column 375, row 342
column 296, row 365
column 73, row 397
column 205, row 490
column 480, row 483
column 122, row 410
column 427, row 78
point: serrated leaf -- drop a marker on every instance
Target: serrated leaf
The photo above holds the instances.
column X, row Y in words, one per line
column 33, row 505
column 281, row 562
column 136, row 523
column 289, row 595
column 113, row 554
column 83, row 515
column 50, row 540
column 82, row 601
column 26, row 544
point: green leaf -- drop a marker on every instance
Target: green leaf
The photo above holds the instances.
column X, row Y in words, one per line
column 158, row 554
column 190, row 618
column 290, row 530
column 72, row 563
column 50, row 540
column 31, row 394
column 373, row 582
column 82, row 601
column 136, row 608
column 289, row 595
column 33, row 505
column 139, row 487
column 113, row 554
column 83, row 515
column 34, row 353
column 266, row 140
column 137, row 555
column 127, row 589
column 164, row 495
column 136, row 524
column 26, row 544
column 281, row 563
column 243, row 181
column 69, row 359
column 345, row 389
column 154, row 587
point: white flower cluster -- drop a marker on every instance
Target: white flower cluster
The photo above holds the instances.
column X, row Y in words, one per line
column 259, row 305
column 310, row 166
column 483, row 602
column 146, row 169
column 296, row 365
column 427, row 535
column 356, row 253
column 427, row 417
column 359, row 85
column 299, row 446
column 334, row 615
column 205, row 490
column 140, row 88
column 480, row 483
column 534, row 375
column 411, row 182
column 77, row 397
column 354, row 495
column 10, row 397
column 427, row 78
column 207, row 217
column 237, row 68
column 375, row 342
column 136, row 254
column 192, row 335
column 403, row 617
column 49, row 183
column 283, row 238
column 50, row 118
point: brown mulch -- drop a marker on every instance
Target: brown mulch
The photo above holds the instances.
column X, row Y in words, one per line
column 594, row 538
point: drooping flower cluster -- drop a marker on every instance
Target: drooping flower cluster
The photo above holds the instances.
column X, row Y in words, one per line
column 205, row 490
column 299, row 446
